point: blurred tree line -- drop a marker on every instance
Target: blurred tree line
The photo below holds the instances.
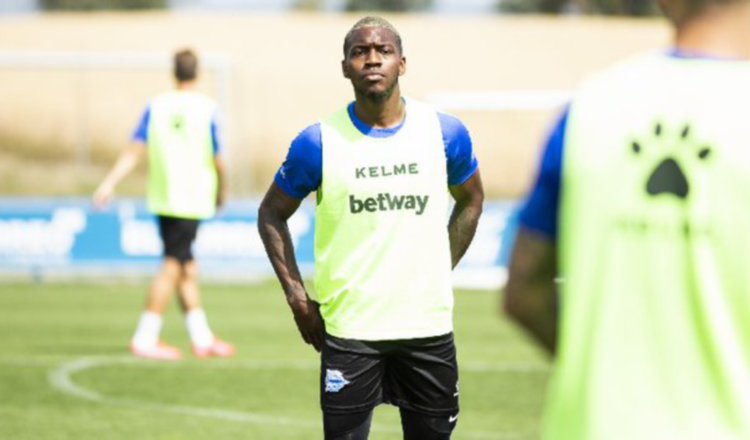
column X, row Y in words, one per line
column 607, row 7
column 610, row 7
column 89, row 5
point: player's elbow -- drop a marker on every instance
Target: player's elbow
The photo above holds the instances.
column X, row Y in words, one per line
column 477, row 204
column 475, row 201
column 266, row 214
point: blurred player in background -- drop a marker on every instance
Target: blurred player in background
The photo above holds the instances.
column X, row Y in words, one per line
column 642, row 208
column 383, row 167
column 187, row 184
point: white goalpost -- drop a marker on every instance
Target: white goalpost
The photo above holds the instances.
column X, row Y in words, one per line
column 218, row 65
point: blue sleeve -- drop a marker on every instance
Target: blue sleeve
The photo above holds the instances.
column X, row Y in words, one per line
column 462, row 163
column 216, row 140
column 141, row 131
column 302, row 171
column 540, row 211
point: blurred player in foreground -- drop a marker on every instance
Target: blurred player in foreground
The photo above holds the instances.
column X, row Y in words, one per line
column 187, row 184
column 383, row 167
column 642, row 208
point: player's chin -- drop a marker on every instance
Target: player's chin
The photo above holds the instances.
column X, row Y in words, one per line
column 372, row 88
column 377, row 93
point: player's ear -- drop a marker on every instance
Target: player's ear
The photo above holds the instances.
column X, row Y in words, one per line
column 344, row 69
column 402, row 66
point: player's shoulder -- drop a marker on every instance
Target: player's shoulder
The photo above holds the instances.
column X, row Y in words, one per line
column 452, row 127
column 338, row 118
column 636, row 69
column 309, row 137
column 203, row 100
column 420, row 107
column 158, row 100
column 191, row 98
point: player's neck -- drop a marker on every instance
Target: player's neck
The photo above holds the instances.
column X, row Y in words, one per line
column 722, row 32
column 186, row 86
column 387, row 113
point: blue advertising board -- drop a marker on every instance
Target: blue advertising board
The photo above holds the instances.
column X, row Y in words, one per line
column 67, row 237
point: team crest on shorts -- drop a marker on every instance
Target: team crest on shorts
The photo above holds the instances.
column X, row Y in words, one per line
column 335, row 381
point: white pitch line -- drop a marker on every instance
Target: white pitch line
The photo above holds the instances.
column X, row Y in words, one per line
column 468, row 367
column 33, row 360
column 486, row 367
column 464, row 367
column 61, row 378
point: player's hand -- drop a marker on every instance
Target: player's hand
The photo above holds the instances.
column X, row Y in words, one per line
column 102, row 196
column 309, row 322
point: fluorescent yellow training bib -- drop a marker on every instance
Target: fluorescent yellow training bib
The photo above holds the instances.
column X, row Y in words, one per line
column 654, row 249
column 383, row 263
column 182, row 176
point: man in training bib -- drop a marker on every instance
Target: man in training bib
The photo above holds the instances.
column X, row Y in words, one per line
column 641, row 209
column 179, row 134
column 383, row 168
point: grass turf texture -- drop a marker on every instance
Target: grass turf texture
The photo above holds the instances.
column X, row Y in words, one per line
column 65, row 372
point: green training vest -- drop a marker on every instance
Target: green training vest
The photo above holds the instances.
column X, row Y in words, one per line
column 654, row 252
column 383, row 265
column 182, row 175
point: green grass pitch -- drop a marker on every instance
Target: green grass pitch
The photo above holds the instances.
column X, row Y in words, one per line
column 65, row 372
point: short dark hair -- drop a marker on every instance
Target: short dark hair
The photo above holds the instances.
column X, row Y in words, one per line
column 185, row 65
column 376, row 22
column 681, row 11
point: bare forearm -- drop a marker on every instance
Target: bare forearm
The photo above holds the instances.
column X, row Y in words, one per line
column 462, row 227
column 127, row 160
column 469, row 198
column 123, row 166
column 221, row 182
column 221, row 178
column 540, row 317
column 531, row 297
column 278, row 243
column 275, row 210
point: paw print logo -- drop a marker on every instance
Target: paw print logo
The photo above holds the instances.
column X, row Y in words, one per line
column 178, row 121
column 669, row 176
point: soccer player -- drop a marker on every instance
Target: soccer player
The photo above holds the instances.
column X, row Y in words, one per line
column 383, row 167
column 641, row 210
column 187, row 184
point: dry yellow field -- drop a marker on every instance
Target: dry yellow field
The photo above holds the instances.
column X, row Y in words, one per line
column 67, row 124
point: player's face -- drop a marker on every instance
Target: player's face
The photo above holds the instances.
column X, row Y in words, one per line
column 373, row 62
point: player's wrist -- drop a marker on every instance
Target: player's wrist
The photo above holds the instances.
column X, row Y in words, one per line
column 298, row 301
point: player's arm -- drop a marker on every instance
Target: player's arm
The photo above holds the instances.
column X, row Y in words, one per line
column 464, row 184
column 464, row 219
column 222, row 189
column 275, row 210
column 126, row 161
column 300, row 174
column 531, row 293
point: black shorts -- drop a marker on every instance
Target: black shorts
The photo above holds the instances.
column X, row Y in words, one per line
column 420, row 375
column 177, row 235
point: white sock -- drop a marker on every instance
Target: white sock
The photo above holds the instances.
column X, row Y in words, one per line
column 148, row 330
column 197, row 325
